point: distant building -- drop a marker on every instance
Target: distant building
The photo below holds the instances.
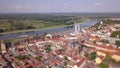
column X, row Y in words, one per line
column 8, row 45
column 3, row 48
column 77, row 28
column 101, row 22
column 48, row 36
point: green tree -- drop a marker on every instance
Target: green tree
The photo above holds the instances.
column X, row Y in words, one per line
column 93, row 55
column 103, row 65
column 117, row 43
column 108, row 57
column 115, row 34
column 39, row 57
column 21, row 57
column 104, row 41
column 48, row 48
column 66, row 58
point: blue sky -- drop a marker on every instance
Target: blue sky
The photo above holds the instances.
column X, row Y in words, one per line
column 24, row 6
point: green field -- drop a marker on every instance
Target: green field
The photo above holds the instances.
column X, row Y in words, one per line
column 17, row 22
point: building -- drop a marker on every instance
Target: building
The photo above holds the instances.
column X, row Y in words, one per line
column 77, row 28
column 3, row 48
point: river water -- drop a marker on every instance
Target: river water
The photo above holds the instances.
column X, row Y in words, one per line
column 82, row 25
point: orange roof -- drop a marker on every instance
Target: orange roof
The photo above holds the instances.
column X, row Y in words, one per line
column 104, row 46
column 101, row 57
column 22, row 66
column 77, row 58
column 58, row 62
column 117, row 53
column 32, row 42
column 106, row 52
column 92, row 49
column 80, row 62
column 94, row 38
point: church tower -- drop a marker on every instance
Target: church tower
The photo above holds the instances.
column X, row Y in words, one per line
column 77, row 27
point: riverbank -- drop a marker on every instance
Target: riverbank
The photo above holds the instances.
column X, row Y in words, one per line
column 32, row 30
column 47, row 30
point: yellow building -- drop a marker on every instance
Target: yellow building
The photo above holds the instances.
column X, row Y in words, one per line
column 116, row 57
column 100, row 52
column 99, row 59
column 3, row 48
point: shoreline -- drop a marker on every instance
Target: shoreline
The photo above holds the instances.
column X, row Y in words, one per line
column 20, row 31
column 33, row 31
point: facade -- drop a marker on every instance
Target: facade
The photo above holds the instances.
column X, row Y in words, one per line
column 77, row 28
column 3, row 48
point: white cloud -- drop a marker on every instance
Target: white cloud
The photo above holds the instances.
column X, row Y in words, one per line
column 98, row 4
column 66, row 5
column 19, row 7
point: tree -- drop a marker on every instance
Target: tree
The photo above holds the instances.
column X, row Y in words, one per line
column 30, row 27
column 39, row 57
column 86, row 55
column 93, row 55
column 117, row 43
column 1, row 30
column 103, row 65
column 48, row 48
column 21, row 57
column 66, row 58
column 104, row 41
column 115, row 34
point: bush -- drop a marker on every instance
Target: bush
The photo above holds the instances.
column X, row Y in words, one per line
column 103, row 65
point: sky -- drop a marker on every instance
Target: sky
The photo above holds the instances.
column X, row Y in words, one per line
column 38, row 6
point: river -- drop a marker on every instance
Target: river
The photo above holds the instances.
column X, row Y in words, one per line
column 82, row 25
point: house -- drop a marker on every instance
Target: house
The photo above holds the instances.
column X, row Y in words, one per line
column 101, row 53
column 94, row 38
column 80, row 62
column 116, row 56
column 3, row 48
column 99, row 59
column 31, row 43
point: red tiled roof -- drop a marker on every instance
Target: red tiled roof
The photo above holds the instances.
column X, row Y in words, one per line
column 106, row 52
column 22, row 66
column 80, row 62
column 56, row 61
column 16, row 60
column 104, row 46
column 101, row 57
column 32, row 42
column 94, row 38
column 117, row 53
column 68, row 54
column 57, row 51
column 77, row 58
column 92, row 49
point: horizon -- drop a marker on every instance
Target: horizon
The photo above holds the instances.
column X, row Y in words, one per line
column 62, row 6
column 59, row 12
